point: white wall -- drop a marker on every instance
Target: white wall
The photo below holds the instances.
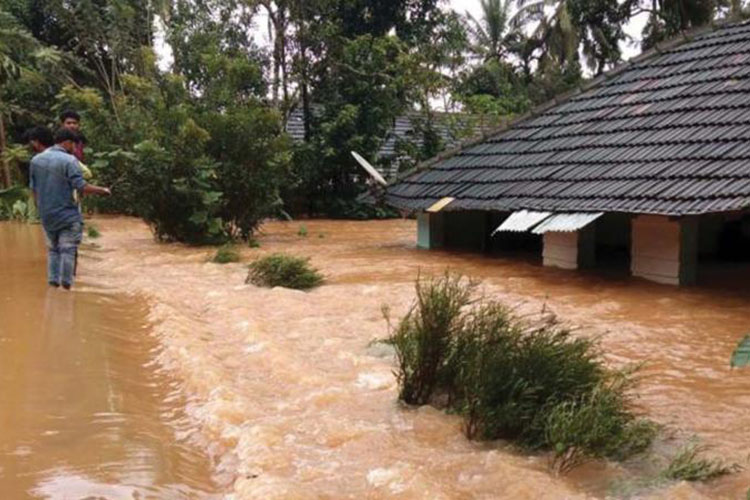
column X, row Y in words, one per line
column 664, row 250
column 570, row 250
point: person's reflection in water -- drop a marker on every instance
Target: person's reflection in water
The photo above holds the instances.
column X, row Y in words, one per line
column 61, row 355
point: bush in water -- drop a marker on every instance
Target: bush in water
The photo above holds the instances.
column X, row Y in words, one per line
column 599, row 424
column 183, row 164
column 226, row 254
column 688, row 465
column 523, row 369
column 284, row 270
column 530, row 382
column 424, row 339
column 92, row 231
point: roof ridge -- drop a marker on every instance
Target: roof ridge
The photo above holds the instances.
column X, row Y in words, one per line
column 658, row 49
column 623, row 129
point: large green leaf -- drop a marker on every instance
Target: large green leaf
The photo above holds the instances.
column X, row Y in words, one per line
column 741, row 355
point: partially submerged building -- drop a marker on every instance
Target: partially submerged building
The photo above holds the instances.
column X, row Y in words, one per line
column 651, row 159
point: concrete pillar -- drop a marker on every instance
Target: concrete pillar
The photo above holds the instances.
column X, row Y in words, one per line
column 430, row 230
column 664, row 250
column 570, row 250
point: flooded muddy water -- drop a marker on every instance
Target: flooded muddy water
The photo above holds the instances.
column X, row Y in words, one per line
column 84, row 409
column 293, row 400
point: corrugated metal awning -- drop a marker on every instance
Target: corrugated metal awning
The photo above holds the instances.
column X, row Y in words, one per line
column 567, row 222
column 522, row 220
column 440, row 204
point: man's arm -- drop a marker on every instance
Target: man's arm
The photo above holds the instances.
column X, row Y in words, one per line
column 75, row 177
column 92, row 189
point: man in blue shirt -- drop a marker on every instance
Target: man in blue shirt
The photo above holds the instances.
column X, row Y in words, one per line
column 54, row 175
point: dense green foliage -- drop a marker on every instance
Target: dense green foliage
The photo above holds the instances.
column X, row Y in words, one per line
column 195, row 143
column 284, row 270
column 17, row 204
column 531, row 382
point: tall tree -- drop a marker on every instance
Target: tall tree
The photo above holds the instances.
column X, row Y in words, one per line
column 25, row 65
column 668, row 17
column 562, row 27
column 488, row 33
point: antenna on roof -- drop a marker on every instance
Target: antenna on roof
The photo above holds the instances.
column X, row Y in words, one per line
column 370, row 169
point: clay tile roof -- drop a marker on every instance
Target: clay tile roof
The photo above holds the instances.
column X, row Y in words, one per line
column 667, row 133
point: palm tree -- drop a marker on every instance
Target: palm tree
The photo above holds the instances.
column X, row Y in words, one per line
column 489, row 33
column 554, row 34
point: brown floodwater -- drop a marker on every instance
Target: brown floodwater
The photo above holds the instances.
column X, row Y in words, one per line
column 292, row 400
column 84, row 410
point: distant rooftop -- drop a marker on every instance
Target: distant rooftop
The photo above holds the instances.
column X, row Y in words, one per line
column 452, row 128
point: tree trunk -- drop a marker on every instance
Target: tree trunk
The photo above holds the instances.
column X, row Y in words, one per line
column 3, row 145
column 273, row 31
column 282, row 48
column 306, row 113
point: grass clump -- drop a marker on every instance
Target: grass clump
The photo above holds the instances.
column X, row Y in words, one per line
column 689, row 465
column 302, row 231
column 284, row 270
column 525, row 380
column 600, row 424
column 92, row 231
column 425, row 338
column 226, row 254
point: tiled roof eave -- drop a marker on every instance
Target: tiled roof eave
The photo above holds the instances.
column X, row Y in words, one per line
column 665, row 145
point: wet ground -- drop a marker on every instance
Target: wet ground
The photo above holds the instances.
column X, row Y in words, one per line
column 84, row 410
column 292, row 400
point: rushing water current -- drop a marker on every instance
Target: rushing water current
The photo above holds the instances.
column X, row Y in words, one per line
column 84, row 412
column 289, row 395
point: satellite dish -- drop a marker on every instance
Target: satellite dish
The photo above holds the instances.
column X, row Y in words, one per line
column 370, row 169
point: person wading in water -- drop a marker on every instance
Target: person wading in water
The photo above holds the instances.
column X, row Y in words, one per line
column 54, row 175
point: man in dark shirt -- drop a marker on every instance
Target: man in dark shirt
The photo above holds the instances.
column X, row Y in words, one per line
column 54, row 175
column 71, row 120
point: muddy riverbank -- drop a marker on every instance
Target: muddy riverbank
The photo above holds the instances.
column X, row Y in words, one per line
column 294, row 402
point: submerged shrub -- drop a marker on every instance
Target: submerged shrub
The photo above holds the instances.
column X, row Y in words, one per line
column 688, row 465
column 284, row 270
column 485, row 390
column 424, row 338
column 599, row 424
column 527, row 381
column 92, row 231
column 226, row 254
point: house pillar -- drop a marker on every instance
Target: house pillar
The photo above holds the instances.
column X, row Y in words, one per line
column 664, row 250
column 430, row 230
column 570, row 250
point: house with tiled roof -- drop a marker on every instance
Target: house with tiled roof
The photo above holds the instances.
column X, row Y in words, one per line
column 451, row 127
column 653, row 158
